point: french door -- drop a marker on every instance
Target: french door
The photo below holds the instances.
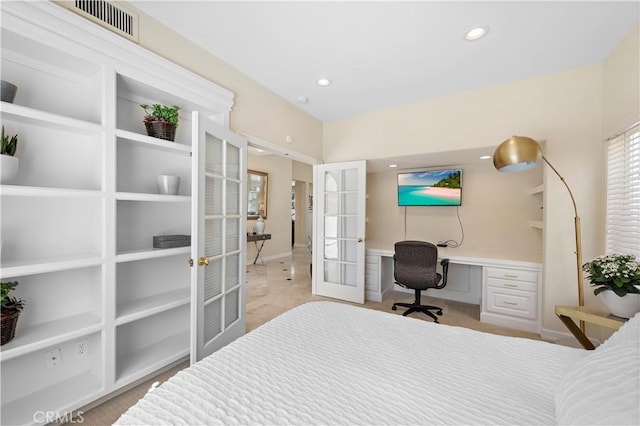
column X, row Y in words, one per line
column 338, row 241
column 218, row 275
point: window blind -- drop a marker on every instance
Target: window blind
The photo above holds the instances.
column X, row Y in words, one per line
column 623, row 192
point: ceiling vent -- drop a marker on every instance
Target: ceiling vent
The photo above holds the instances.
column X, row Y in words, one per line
column 117, row 18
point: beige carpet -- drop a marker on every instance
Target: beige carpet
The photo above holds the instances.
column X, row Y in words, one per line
column 277, row 287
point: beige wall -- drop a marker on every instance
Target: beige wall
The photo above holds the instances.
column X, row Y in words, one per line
column 563, row 109
column 257, row 110
column 278, row 222
column 303, row 175
column 495, row 212
column 622, row 85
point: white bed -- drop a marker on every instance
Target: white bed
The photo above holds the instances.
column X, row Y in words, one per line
column 331, row 363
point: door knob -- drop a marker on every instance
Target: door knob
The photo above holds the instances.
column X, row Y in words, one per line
column 359, row 240
column 203, row 261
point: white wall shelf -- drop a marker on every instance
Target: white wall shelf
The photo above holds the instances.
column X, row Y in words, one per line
column 141, row 308
column 133, row 196
column 49, row 120
column 134, row 255
column 40, row 336
column 153, row 143
column 36, row 191
column 537, row 189
column 49, row 264
column 538, row 224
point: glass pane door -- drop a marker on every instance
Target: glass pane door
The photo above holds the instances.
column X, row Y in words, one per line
column 339, row 243
column 218, row 274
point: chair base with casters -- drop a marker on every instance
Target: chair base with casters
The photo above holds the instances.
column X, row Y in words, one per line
column 417, row 306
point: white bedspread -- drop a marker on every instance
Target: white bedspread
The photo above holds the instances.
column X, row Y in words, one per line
column 331, row 363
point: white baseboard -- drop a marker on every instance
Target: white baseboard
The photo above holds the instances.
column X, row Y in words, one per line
column 510, row 322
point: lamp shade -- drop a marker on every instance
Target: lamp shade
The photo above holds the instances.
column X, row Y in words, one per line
column 516, row 154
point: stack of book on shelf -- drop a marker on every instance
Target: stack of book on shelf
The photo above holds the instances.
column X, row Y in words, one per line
column 169, row 241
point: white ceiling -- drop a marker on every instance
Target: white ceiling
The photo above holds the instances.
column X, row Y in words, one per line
column 385, row 54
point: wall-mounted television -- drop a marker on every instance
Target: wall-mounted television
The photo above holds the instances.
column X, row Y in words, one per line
column 430, row 188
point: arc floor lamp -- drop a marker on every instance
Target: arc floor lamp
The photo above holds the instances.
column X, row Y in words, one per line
column 519, row 153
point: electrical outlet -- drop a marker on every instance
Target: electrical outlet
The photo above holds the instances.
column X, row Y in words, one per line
column 82, row 347
column 52, row 358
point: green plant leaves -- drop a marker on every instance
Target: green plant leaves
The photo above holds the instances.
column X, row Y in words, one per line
column 161, row 112
column 9, row 145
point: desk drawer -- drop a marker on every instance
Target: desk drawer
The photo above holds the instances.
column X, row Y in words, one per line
column 513, row 284
column 511, row 302
column 512, row 274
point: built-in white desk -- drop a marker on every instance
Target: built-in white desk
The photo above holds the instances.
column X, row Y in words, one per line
column 506, row 285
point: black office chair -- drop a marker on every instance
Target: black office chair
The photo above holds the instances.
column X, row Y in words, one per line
column 414, row 267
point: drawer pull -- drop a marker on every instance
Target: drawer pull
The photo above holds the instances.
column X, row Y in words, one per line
column 511, row 285
column 510, row 303
column 510, row 276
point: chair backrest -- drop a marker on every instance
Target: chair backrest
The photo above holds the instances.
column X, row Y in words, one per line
column 415, row 264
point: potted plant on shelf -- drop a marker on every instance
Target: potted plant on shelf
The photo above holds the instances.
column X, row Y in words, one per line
column 8, row 161
column 10, row 308
column 161, row 120
column 616, row 278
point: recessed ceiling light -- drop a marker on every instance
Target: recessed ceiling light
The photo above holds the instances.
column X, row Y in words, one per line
column 324, row 82
column 485, row 157
column 476, row 33
column 393, row 166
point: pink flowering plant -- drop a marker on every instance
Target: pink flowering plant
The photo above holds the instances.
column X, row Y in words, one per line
column 619, row 273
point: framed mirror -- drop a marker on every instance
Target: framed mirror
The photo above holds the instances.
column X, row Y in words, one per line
column 257, row 193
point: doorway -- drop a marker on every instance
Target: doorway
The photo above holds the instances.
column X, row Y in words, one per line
column 290, row 177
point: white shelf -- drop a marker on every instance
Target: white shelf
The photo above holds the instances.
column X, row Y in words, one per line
column 137, row 309
column 136, row 196
column 46, row 119
column 537, row 189
column 536, row 224
column 38, row 191
column 148, row 359
column 152, row 142
column 42, row 335
column 130, row 256
column 83, row 387
column 50, row 264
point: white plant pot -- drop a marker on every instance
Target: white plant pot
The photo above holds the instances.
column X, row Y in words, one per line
column 8, row 168
column 168, row 184
column 624, row 307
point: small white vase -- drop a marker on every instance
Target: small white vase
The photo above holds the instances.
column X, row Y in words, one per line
column 8, row 168
column 260, row 226
column 624, row 307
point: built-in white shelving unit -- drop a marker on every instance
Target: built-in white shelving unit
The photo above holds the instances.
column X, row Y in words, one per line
column 79, row 218
column 537, row 191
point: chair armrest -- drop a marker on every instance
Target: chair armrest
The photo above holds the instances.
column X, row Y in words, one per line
column 445, row 270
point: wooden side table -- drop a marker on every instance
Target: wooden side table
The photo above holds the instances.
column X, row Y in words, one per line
column 591, row 314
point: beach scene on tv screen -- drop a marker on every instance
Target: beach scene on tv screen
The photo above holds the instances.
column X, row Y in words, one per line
column 431, row 188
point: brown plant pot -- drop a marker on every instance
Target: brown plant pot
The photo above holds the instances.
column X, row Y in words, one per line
column 8, row 321
column 161, row 129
